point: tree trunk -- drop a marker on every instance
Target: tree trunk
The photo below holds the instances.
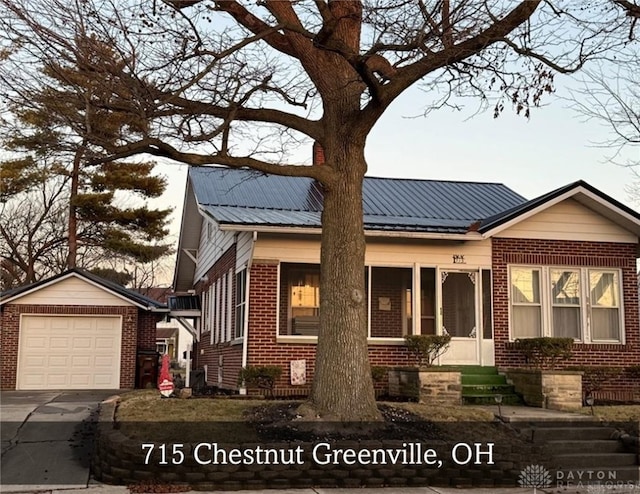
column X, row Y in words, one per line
column 72, row 244
column 342, row 385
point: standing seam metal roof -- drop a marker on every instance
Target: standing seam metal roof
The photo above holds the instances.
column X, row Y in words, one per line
column 240, row 196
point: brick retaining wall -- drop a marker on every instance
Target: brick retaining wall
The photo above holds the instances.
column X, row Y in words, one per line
column 120, row 460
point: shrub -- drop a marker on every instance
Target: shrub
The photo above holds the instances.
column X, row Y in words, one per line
column 427, row 348
column 633, row 371
column 378, row 373
column 262, row 377
column 545, row 351
column 594, row 377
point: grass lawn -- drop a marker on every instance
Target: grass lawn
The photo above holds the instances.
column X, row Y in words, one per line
column 145, row 415
column 629, row 415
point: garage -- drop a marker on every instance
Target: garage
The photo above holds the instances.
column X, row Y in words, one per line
column 75, row 331
column 69, row 352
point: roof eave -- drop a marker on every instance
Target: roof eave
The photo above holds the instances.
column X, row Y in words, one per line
column 581, row 192
column 368, row 232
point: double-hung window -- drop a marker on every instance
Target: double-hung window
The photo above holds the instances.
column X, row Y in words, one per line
column 526, row 307
column 569, row 302
column 605, row 314
column 566, row 310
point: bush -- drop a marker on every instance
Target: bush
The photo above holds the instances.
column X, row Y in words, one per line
column 633, row 371
column 545, row 351
column 378, row 373
column 427, row 348
column 594, row 377
column 262, row 377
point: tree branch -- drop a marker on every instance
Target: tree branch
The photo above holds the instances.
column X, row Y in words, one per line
column 156, row 147
column 408, row 75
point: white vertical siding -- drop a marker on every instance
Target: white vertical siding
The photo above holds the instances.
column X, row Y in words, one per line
column 244, row 243
column 213, row 243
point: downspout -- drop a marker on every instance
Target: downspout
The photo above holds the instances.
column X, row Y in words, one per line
column 245, row 342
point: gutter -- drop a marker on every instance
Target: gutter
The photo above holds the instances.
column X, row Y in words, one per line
column 368, row 233
column 245, row 342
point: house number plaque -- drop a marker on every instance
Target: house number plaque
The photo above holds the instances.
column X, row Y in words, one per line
column 458, row 259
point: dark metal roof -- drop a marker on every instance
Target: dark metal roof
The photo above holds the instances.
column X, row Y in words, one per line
column 246, row 197
column 110, row 285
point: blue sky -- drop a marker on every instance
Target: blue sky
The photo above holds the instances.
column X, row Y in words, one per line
column 554, row 147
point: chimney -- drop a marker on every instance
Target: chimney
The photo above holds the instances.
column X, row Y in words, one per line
column 318, row 154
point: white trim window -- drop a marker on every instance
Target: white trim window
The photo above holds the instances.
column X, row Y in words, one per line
column 605, row 314
column 569, row 302
column 229, row 305
column 566, row 307
column 526, row 302
column 241, row 302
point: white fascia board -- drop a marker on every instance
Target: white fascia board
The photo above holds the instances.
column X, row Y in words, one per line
column 368, row 233
column 86, row 280
column 580, row 190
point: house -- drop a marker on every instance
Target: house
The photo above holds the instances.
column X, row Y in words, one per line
column 473, row 260
column 75, row 331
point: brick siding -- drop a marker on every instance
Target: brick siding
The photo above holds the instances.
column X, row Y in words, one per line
column 263, row 349
column 138, row 332
column 506, row 251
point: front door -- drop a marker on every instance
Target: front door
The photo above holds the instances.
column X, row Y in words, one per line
column 459, row 316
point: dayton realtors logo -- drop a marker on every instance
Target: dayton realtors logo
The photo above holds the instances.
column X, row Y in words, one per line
column 535, row 476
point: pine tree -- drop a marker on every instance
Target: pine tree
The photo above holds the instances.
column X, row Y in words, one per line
column 52, row 122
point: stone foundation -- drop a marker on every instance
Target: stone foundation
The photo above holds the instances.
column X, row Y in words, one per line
column 433, row 386
column 555, row 390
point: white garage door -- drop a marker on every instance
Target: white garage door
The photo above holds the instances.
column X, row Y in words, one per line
column 69, row 352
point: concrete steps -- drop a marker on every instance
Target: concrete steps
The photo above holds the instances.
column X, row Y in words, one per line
column 581, row 450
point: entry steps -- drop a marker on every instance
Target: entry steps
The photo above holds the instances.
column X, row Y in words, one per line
column 481, row 385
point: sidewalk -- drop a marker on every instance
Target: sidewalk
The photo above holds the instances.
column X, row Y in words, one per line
column 108, row 489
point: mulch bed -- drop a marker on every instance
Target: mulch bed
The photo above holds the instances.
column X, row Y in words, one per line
column 280, row 422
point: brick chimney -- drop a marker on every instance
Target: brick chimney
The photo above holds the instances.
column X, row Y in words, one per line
column 318, row 154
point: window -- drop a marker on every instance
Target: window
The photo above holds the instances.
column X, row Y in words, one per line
column 304, row 301
column 578, row 303
column 229, row 306
column 605, row 305
column 241, row 302
column 526, row 309
column 565, row 301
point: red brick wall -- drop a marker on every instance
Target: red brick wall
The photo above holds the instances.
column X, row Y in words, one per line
column 388, row 283
column 263, row 348
column 208, row 354
column 138, row 331
column 507, row 251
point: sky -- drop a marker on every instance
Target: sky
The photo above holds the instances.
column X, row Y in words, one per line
column 554, row 147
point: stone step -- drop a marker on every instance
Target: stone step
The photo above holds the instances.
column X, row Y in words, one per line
column 567, row 432
column 587, row 447
column 593, row 461
column 488, row 379
column 477, row 369
column 486, row 399
column 487, row 389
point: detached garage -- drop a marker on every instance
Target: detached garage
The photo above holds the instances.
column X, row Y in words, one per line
column 75, row 331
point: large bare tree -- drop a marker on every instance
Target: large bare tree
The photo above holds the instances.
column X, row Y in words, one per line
column 237, row 83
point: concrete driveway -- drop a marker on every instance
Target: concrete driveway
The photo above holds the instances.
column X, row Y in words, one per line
column 47, row 438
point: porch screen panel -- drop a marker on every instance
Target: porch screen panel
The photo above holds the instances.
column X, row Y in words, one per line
column 605, row 305
column 391, row 299
column 487, row 311
column 459, row 304
column 427, row 301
